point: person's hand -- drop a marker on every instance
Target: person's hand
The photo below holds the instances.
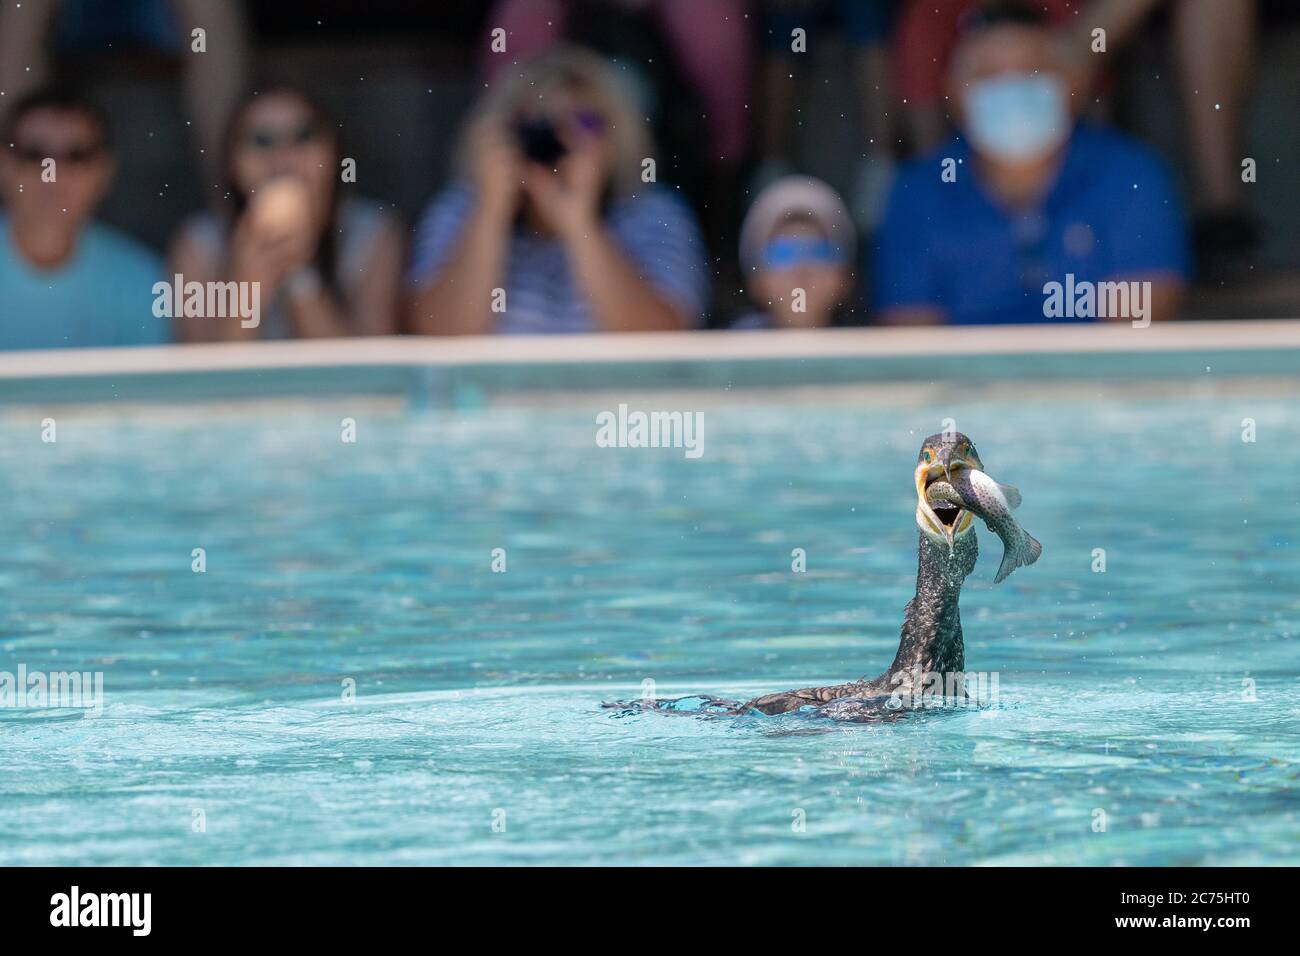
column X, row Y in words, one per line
column 498, row 167
column 270, row 254
column 568, row 198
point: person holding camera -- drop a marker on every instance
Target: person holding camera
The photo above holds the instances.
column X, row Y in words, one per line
column 557, row 224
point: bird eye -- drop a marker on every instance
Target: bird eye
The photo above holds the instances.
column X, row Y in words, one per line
column 928, row 457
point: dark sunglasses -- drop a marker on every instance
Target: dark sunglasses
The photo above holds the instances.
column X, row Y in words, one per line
column 270, row 138
column 588, row 120
column 34, row 154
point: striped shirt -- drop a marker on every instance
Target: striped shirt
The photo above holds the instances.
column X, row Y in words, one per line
column 655, row 230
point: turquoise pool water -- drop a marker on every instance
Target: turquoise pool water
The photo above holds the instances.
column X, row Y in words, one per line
column 1160, row 693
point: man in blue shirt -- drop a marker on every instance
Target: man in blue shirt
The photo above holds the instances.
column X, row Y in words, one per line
column 66, row 281
column 1029, row 216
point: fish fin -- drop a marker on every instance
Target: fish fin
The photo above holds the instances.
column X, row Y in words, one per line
column 1009, row 564
column 1026, row 553
column 1012, row 494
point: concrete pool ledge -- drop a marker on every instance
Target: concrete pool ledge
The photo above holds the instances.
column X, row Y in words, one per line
column 432, row 351
column 467, row 372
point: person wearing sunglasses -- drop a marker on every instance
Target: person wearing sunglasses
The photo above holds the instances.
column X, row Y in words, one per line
column 65, row 279
column 551, row 227
column 327, row 262
column 796, row 249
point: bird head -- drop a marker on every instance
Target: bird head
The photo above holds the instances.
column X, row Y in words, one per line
column 941, row 456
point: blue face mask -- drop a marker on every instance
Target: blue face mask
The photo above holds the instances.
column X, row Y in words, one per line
column 1017, row 117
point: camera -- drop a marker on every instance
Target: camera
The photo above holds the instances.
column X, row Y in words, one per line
column 539, row 142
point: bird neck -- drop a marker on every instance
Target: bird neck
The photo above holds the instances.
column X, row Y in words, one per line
column 931, row 641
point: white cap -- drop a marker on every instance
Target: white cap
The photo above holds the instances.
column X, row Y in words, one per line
column 795, row 195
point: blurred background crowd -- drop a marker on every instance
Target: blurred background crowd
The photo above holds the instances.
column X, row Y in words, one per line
column 541, row 166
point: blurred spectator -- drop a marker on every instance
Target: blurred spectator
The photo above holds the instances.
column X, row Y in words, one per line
column 212, row 78
column 710, row 40
column 687, row 63
column 1213, row 43
column 328, row 264
column 928, row 32
column 553, row 229
column 866, row 26
column 796, row 248
column 1028, row 196
column 66, row 280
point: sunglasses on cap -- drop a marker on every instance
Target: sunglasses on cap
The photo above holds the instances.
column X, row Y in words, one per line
column 789, row 251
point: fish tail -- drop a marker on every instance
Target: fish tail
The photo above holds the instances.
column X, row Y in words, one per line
column 1009, row 564
column 1025, row 553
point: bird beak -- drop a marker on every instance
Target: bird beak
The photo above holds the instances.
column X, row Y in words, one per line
column 923, row 475
column 943, row 466
column 950, row 461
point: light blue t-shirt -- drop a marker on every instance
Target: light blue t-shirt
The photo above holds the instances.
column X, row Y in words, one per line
column 102, row 296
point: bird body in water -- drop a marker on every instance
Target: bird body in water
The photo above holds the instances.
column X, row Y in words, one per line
column 930, row 643
column 931, row 657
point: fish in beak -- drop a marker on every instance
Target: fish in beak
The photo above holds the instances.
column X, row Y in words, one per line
column 940, row 458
